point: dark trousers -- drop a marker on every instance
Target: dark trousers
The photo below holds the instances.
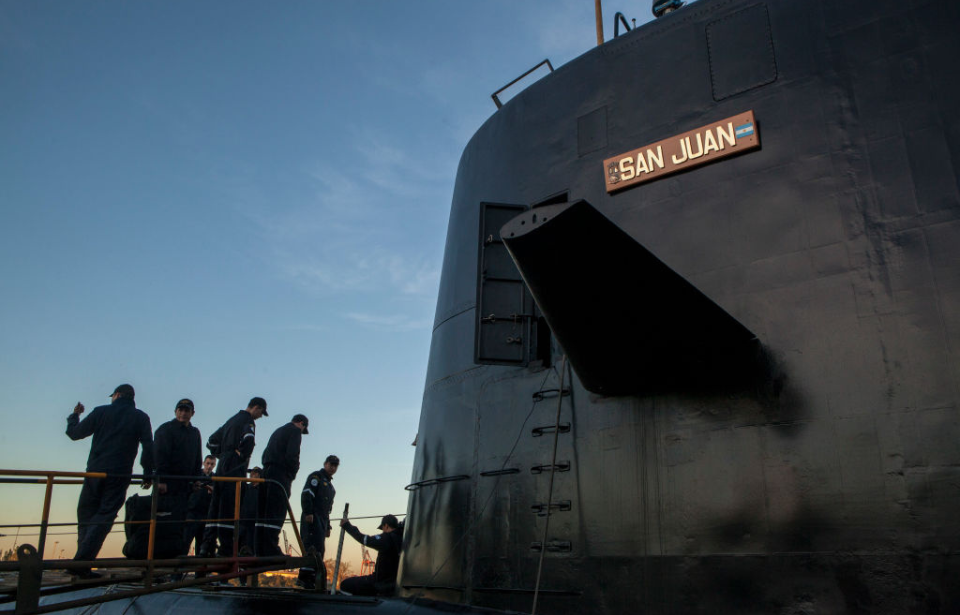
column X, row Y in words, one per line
column 174, row 502
column 222, row 505
column 314, row 536
column 100, row 499
column 273, row 510
column 249, row 515
column 192, row 532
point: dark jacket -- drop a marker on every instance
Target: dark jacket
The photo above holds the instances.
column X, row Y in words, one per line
column 198, row 504
column 237, row 434
column 117, row 429
column 317, row 497
column 388, row 552
column 283, row 451
column 177, row 450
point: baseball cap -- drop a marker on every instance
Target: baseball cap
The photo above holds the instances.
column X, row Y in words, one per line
column 185, row 403
column 299, row 418
column 124, row 390
column 389, row 520
column 332, row 460
column 261, row 402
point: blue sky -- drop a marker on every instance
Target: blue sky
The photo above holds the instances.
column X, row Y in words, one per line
column 226, row 199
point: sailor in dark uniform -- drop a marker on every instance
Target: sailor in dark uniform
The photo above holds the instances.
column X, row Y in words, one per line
column 177, row 451
column 232, row 444
column 316, row 502
column 198, row 506
column 281, row 462
column 388, row 544
column 117, row 430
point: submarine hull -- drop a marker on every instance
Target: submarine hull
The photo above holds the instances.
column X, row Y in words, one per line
column 813, row 467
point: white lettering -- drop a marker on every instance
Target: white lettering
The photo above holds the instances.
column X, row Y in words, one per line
column 709, row 143
column 728, row 135
column 699, row 147
column 683, row 150
column 655, row 159
column 626, row 168
column 642, row 164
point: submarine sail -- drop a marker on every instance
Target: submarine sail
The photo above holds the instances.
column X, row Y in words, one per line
column 760, row 410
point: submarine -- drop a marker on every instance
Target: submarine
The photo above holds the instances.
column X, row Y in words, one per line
column 697, row 337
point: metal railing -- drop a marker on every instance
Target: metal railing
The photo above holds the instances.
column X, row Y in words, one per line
column 30, row 563
column 496, row 95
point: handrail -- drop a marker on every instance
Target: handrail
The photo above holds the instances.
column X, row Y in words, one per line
column 430, row 482
column 169, row 521
column 49, row 476
column 496, row 100
column 150, row 477
column 30, row 563
column 617, row 20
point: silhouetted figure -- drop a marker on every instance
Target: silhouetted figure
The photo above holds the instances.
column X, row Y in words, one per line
column 198, row 505
column 316, row 502
column 383, row 581
column 232, row 444
column 117, row 430
column 281, row 462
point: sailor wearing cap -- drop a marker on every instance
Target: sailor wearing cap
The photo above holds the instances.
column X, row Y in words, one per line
column 178, row 450
column 117, row 429
column 281, row 462
column 233, row 445
column 387, row 544
column 316, row 502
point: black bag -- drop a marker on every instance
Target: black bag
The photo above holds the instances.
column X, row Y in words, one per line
column 168, row 539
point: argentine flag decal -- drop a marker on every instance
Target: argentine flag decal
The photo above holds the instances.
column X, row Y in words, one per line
column 744, row 130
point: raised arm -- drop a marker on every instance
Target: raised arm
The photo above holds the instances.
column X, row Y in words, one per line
column 77, row 429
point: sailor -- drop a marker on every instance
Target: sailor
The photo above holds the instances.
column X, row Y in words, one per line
column 177, row 450
column 198, row 505
column 117, row 429
column 233, row 444
column 387, row 544
column 316, row 502
column 281, row 462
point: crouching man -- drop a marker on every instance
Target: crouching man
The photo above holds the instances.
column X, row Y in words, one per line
column 383, row 581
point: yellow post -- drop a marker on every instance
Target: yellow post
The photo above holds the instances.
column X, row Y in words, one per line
column 151, row 541
column 296, row 532
column 46, row 515
column 599, row 12
column 236, row 519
